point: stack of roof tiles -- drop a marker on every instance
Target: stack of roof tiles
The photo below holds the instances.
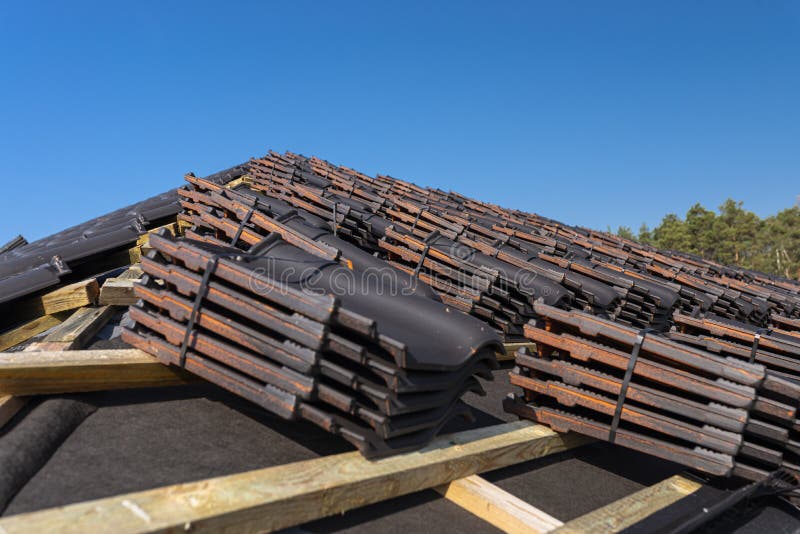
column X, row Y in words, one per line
column 722, row 415
column 597, row 272
column 480, row 259
column 305, row 324
column 359, row 330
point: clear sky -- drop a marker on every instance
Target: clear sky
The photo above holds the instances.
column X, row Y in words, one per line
column 593, row 113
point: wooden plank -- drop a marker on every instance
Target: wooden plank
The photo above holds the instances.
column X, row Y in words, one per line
column 81, row 325
column 73, row 371
column 510, row 348
column 73, row 333
column 28, row 330
column 142, row 245
column 144, row 239
column 39, row 346
column 183, row 226
column 72, row 296
column 117, row 292
column 133, row 255
column 283, row 496
column 244, row 179
column 76, row 331
column 498, row 507
column 134, row 272
column 65, row 298
column 629, row 510
column 9, row 406
column 503, row 357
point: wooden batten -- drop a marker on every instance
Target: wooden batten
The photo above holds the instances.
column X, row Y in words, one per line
column 117, row 292
column 628, row 511
column 509, row 349
column 32, row 328
column 280, row 497
column 73, row 333
column 498, row 507
column 65, row 298
column 76, row 331
column 52, row 372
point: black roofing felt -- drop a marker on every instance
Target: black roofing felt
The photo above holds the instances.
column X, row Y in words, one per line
column 147, row 438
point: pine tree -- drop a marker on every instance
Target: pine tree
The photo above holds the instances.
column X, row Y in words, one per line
column 671, row 234
column 625, row 232
column 645, row 235
column 733, row 236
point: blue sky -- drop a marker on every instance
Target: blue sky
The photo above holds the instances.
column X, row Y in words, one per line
column 594, row 113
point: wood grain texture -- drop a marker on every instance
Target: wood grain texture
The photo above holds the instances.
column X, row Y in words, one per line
column 134, row 272
column 73, row 371
column 279, row 497
column 65, row 298
column 117, row 292
column 73, row 333
column 142, row 246
column 498, row 507
column 76, row 331
column 629, row 510
column 28, row 330
column 72, row 296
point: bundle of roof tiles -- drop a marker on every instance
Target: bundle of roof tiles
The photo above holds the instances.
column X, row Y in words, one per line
column 646, row 391
column 331, row 296
column 479, row 261
column 298, row 328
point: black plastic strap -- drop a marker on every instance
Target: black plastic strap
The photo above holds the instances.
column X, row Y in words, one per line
column 416, row 220
column 626, row 381
column 756, row 340
column 421, row 260
column 211, row 266
column 239, row 230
